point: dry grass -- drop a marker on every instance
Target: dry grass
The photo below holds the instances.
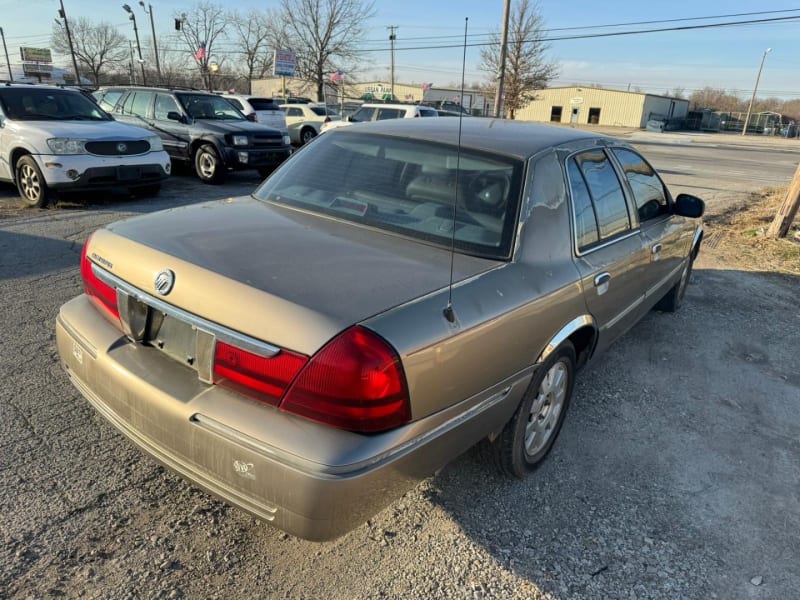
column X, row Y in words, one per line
column 740, row 231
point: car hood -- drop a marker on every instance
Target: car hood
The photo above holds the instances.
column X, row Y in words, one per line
column 283, row 276
column 92, row 130
column 219, row 126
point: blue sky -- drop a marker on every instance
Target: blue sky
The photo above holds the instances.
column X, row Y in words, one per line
column 724, row 58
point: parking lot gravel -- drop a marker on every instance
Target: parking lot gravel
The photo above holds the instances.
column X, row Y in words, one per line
column 677, row 473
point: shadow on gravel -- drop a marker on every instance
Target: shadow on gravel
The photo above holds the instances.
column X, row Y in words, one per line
column 23, row 255
column 677, row 440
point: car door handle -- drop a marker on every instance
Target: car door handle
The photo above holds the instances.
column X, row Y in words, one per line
column 602, row 279
column 656, row 249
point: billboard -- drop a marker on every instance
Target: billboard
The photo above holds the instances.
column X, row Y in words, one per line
column 42, row 55
column 284, row 63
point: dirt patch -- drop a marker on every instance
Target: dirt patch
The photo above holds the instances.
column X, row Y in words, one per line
column 737, row 235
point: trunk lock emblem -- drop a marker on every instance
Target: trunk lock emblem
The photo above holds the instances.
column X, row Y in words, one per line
column 164, row 282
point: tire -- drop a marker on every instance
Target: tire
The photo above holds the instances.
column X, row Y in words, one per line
column 673, row 299
column 31, row 185
column 208, row 165
column 306, row 135
column 528, row 436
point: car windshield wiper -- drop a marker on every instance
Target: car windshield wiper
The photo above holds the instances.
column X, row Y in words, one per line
column 25, row 116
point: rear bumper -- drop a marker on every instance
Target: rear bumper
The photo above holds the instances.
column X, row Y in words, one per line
column 310, row 480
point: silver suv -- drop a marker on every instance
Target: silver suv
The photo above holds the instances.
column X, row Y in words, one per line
column 55, row 139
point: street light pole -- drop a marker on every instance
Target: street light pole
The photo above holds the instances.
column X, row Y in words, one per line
column 392, row 38
column 62, row 13
column 149, row 11
column 5, row 49
column 755, row 89
column 132, row 17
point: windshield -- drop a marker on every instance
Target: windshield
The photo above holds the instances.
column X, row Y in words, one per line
column 208, row 106
column 39, row 104
column 406, row 186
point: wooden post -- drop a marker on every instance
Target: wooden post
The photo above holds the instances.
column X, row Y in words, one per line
column 788, row 210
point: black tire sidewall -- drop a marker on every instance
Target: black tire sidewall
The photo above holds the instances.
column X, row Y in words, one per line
column 521, row 462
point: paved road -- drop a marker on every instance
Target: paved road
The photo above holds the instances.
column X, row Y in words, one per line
column 675, row 476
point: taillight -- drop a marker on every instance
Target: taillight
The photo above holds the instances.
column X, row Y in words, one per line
column 355, row 382
column 262, row 378
column 103, row 294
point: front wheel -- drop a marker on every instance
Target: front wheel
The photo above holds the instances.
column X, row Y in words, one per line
column 528, row 436
column 208, row 165
column 31, row 184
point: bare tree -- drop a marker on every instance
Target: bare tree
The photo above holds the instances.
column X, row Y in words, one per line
column 527, row 69
column 254, row 33
column 325, row 34
column 199, row 32
column 96, row 46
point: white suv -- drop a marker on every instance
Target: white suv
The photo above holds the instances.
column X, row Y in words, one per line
column 57, row 139
column 259, row 110
column 379, row 112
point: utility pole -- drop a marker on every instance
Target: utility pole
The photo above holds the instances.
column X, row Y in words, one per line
column 392, row 38
column 779, row 227
column 149, row 11
column 132, row 68
column 755, row 89
column 498, row 98
column 63, row 15
column 5, row 49
column 132, row 17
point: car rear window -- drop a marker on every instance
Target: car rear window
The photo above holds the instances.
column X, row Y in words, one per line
column 262, row 104
column 405, row 186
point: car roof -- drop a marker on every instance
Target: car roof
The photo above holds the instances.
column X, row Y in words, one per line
column 501, row 136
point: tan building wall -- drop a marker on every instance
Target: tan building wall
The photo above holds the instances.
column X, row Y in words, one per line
column 598, row 107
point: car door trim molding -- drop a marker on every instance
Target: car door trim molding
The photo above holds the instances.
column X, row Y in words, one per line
column 564, row 333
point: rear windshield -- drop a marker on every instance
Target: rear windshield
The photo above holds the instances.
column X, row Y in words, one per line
column 262, row 104
column 40, row 104
column 406, row 186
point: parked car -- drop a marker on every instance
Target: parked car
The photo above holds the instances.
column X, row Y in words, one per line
column 304, row 120
column 200, row 128
column 259, row 110
column 390, row 296
column 54, row 139
column 381, row 112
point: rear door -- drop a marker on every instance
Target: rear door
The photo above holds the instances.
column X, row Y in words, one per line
column 174, row 134
column 610, row 255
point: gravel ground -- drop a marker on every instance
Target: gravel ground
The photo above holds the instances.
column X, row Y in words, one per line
column 676, row 474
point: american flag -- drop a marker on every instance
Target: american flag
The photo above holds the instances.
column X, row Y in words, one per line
column 200, row 54
column 337, row 76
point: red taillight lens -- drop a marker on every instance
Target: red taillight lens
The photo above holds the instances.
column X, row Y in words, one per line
column 355, row 382
column 260, row 377
column 101, row 292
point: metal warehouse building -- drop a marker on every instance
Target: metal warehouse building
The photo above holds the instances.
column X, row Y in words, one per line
column 597, row 106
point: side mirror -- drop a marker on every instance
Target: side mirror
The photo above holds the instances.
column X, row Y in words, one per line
column 690, row 206
column 174, row 115
column 251, row 117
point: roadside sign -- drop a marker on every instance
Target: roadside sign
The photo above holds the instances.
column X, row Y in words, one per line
column 284, row 63
column 42, row 55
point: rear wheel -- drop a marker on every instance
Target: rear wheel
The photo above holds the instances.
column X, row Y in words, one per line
column 528, row 436
column 673, row 299
column 31, row 184
column 208, row 165
column 307, row 134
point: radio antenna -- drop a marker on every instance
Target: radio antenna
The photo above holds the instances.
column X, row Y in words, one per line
column 449, row 314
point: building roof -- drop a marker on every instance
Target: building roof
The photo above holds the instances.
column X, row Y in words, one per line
column 600, row 89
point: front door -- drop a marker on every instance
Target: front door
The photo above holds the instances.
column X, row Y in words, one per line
column 573, row 116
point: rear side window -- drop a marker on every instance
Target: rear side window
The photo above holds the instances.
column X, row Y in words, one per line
column 294, row 112
column 389, row 113
column 428, row 112
column 586, row 231
column 236, row 103
column 648, row 190
column 606, row 192
column 141, row 103
column 262, row 104
column 363, row 114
